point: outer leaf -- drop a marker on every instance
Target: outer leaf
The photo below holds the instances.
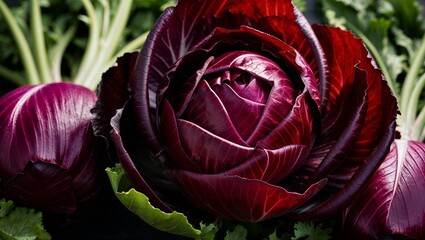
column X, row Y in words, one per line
column 208, row 232
column 308, row 230
column 238, row 233
column 23, row 224
column 49, row 156
column 112, row 93
column 234, row 197
column 5, row 207
column 394, row 200
column 138, row 203
column 274, row 236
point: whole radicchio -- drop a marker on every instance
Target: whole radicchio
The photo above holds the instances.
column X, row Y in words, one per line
column 49, row 156
column 246, row 111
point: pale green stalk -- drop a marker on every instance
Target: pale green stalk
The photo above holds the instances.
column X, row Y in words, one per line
column 39, row 44
column 106, row 17
column 419, row 127
column 408, row 128
column 411, row 78
column 58, row 51
column 108, row 46
column 12, row 76
column 92, row 48
column 22, row 44
column 135, row 44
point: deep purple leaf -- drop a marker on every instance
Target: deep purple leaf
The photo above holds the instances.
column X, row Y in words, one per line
column 393, row 202
column 50, row 186
column 207, row 111
column 113, row 91
column 271, row 165
column 48, row 151
column 381, row 104
column 211, row 152
column 337, row 202
column 348, row 122
column 240, row 198
column 172, row 142
column 296, row 128
column 130, row 168
column 244, row 114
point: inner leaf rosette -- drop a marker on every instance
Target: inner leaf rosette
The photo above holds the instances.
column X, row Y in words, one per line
column 238, row 107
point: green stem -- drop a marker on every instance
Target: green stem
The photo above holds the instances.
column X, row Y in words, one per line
column 58, row 51
column 407, row 127
column 92, row 48
column 108, row 47
column 106, row 17
column 135, row 44
column 419, row 127
column 411, row 77
column 39, row 44
column 22, row 44
column 12, row 76
column 377, row 57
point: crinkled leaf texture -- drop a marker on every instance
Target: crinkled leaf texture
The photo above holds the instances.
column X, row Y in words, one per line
column 138, row 203
column 394, row 201
column 20, row 223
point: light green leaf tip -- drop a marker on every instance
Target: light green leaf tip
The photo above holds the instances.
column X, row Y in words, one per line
column 208, row 232
column 274, row 236
column 138, row 203
column 238, row 233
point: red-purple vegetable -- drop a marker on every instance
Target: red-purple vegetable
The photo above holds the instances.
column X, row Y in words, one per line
column 393, row 204
column 49, row 156
column 246, row 111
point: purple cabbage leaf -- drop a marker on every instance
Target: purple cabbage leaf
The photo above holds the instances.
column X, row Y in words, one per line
column 393, row 203
column 49, row 156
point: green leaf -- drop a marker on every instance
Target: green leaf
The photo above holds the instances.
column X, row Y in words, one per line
column 208, row 232
column 174, row 223
column 238, row 233
column 21, row 223
column 274, row 236
column 300, row 4
column 308, row 231
column 408, row 14
column 5, row 207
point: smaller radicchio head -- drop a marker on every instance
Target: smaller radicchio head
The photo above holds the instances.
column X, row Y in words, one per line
column 49, row 156
column 392, row 205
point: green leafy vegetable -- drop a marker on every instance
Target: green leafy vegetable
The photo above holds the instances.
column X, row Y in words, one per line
column 310, row 231
column 17, row 223
column 274, row 236
column 208, row 232
column 138, row 203
column 238, row 233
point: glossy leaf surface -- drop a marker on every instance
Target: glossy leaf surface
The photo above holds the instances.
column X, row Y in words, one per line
column 393, row 202
column 49, row 157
